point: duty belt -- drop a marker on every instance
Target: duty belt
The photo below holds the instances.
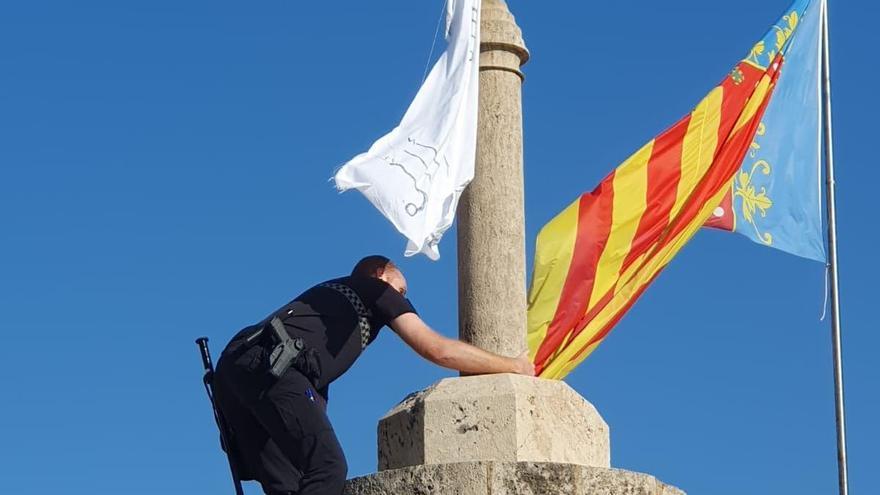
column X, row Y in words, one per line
column 363, row 313
column 273, row 337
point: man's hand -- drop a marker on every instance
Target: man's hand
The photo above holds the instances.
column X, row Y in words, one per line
column 454, row 354
column 522, row 365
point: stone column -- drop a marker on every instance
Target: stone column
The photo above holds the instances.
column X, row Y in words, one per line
column 497, row 434
column 491, row 225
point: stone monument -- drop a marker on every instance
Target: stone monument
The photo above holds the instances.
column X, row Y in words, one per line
column 497, row 434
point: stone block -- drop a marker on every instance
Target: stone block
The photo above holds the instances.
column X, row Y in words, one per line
column 505, row 417
column 508, row 478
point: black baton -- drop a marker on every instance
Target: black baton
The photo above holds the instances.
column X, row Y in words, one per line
column 208, row 379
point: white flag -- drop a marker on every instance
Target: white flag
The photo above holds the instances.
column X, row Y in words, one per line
column 416, row 173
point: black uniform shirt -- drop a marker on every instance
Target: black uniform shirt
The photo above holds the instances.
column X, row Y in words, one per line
column 328, row 323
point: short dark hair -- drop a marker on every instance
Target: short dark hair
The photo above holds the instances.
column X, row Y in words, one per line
column 373, row 266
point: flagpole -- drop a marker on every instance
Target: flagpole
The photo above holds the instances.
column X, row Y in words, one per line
column 840, row 411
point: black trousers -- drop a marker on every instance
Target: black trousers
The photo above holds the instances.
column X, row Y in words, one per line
column 281, row 432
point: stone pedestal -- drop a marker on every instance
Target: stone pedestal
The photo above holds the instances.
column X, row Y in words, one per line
column 508, row 478
column 498, row 434
column 507, row 418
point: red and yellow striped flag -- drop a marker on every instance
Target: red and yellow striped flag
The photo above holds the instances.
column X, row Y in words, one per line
column 596, row 257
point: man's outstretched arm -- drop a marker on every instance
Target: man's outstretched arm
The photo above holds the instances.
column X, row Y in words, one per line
column 454, row 354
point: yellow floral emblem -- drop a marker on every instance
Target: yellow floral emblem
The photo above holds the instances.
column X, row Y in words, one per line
column 753, row 200
column 783, row 34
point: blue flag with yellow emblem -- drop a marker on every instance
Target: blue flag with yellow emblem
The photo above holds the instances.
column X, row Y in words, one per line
column 775, row 198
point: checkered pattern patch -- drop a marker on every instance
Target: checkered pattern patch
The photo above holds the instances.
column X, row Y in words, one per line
column 362, row 311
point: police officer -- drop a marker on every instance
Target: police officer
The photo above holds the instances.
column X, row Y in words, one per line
column 281, row 434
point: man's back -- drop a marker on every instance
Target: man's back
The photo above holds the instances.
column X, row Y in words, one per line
column 327, row 320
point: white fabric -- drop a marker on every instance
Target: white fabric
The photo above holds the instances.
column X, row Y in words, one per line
column 416, row 173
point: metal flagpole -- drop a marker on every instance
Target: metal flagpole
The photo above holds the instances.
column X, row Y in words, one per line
column 840, row 410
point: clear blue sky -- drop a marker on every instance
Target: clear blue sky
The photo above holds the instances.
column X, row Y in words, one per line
column 164, row 175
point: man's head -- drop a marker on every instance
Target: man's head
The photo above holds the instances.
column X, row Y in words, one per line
column 384, row 269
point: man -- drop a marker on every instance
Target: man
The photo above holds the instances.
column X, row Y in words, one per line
column 281, row 434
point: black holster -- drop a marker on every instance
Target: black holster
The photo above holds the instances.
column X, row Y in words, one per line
column 269, row 350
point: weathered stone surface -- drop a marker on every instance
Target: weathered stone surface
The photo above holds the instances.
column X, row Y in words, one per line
column 491, row 226
column 460, row 479
column 508, row 478
column 494, row 418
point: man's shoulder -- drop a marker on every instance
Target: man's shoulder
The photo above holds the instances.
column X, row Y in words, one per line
column 357, row 283
column 365, row 287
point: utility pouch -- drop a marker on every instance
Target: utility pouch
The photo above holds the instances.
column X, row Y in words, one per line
column 309, row 364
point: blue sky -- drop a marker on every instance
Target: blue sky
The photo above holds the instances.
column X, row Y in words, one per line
column 164, row 174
